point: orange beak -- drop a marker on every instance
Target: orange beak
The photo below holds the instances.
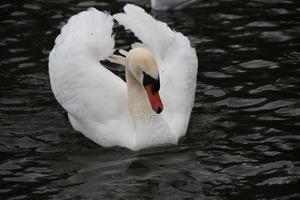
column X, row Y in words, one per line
column 154, row 99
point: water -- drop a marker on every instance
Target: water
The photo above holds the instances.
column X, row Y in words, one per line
column 243, row 140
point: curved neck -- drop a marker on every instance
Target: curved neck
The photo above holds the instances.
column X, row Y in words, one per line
column 149, row 125
column 139, row 105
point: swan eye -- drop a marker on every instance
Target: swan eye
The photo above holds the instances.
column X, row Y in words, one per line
column 150, row 80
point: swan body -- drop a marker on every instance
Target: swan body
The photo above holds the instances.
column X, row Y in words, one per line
column 152, row 107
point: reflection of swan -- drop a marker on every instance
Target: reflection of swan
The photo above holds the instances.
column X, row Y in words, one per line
column 170, row 4
column 96, row 100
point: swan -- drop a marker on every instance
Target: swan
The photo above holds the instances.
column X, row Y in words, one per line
column 170, row 4
column 152, row 107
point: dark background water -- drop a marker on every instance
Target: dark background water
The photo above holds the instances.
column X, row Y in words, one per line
column 243, row 140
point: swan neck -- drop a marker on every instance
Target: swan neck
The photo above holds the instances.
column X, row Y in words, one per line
column 137, row 98
column 147, row 123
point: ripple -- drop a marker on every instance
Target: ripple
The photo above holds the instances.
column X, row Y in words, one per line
column 280, row 11
column 229, row 159
column 292, row 112
column 242, row 170
column 275, row 36
column 215, row 93
column 32, row 6
column 271, row 106
column 260, row 89
column 232, row 69
column 92, row 4
column 216, row 51
column 29, row 177
column 18, row 13
column 276, row 181
column 10, row 165
column 253, row 64
column 270, row 118
column 239, row 103
column 216, row 75
column 261, row 24
column 291, row 58
column 15, row 60
column 275, row 1
column 246, row 139
column 229, row 16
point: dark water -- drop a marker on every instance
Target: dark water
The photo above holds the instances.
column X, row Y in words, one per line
column 243, row 141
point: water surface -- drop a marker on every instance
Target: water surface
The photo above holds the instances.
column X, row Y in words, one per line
column 243, row 141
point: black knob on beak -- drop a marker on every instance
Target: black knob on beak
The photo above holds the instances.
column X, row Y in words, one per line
column 150, row 80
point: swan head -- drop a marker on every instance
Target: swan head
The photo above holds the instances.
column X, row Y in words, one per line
column 143, row 67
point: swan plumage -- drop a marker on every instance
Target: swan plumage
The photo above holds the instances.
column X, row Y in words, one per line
column 98, row 102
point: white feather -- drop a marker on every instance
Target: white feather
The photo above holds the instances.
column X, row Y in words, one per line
column 94, row 98
column 88, row 33
column 155, row 34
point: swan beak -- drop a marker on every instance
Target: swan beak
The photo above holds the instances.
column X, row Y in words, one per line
column 154, row 98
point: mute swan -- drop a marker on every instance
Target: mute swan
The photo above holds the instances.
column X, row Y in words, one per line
column 152, row 107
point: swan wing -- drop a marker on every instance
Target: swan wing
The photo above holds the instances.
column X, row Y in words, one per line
column 95, row 98
column 177, row 62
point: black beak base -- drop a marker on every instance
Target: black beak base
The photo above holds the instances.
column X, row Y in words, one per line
column 150, row 80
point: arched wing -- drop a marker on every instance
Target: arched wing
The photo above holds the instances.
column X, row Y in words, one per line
column 176, row 59
column 87, row 90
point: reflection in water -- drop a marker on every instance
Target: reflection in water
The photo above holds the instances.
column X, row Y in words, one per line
column 243, row 139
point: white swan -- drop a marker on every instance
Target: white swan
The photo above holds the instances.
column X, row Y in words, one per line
column 101, row 105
